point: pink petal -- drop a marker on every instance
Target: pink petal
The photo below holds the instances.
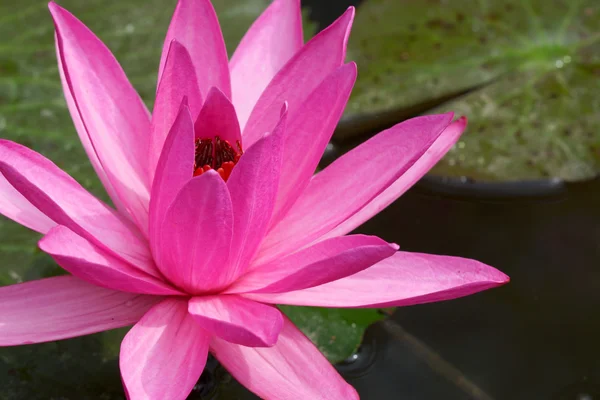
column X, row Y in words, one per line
column 195, row 237
column 253, row 188
column 269, row 43
column 309, row 132
column 16, row 207
column 195, row 26
column 324, row 262
column 62, row 199
column 64, row 307
column 116, row 119
column 177, row 82
column 237, row 320
column 365, row 171
column 299, row 77
column 90, row 263
column 164, row 354
column 175, row 168
column 217, row 118
column 85, row 138
column 401, row 280
column 292, row 369
column 437, row 150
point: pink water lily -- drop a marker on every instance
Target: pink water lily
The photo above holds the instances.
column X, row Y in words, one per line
column 218, row 213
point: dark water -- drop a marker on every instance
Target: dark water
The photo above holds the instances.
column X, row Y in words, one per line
column 535, row 338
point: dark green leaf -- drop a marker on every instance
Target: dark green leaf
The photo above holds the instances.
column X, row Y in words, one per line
column 533, row 67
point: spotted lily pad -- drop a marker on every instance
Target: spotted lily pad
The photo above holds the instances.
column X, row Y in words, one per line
column 33, row 112
column 526, row 73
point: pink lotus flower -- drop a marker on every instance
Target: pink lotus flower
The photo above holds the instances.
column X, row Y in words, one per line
column 217, row 220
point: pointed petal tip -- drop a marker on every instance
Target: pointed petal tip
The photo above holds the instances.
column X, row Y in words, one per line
column 503, row 279
column 284, row 109
column 216, row 92
column 184, row 104
column 53, row 7
column 348, row 17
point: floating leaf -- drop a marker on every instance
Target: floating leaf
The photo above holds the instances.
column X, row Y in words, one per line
column 531, row 68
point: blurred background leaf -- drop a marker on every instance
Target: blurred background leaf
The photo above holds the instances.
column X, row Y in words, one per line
column 525, row 72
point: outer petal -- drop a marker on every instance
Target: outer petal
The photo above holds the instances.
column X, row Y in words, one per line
column 195, row 26
column 85, row 137
column 64, row 307
column 196, row 236
column 164, row 354
column 401, row 280
column 90, row 263
column 115, row 117
column 237, row 320
column 178, row 82
column 437, row 150
column 217, row 118
column 253, row 187
column 174, row 170
column 324, row 262
column 63, row 200
column 365, row 171
column 16, row 207
column 269, row 43
column 310, row 130
column 292, row 369
column 299, row 77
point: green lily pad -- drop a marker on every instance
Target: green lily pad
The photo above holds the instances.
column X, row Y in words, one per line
column 33, row 112
column 531, row 69
column 337, row 332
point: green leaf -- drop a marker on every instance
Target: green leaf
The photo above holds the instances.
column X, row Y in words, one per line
column 337, row 332
column 531, row 67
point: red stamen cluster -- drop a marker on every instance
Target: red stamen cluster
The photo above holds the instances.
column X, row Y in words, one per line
column 216, row 154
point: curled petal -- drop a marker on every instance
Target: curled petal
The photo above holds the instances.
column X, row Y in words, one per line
column 237, row 320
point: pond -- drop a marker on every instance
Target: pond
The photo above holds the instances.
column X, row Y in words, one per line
column 520, row 191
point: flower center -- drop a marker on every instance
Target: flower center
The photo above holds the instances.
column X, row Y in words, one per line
column 216, row 154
